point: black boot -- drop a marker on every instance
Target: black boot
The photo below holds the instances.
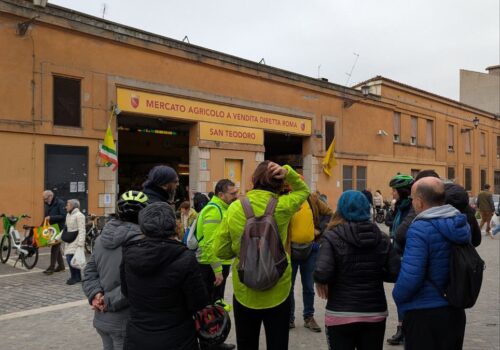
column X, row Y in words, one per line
column 398, row 338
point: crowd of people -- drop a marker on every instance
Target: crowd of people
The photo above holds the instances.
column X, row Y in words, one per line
column 155, row 275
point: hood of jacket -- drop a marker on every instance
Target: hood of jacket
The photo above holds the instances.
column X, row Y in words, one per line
column 448, row 221
column 456, row 196
column 116, row 232
column 146, row 256
column 362, row 234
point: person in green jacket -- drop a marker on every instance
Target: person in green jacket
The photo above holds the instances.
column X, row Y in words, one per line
column 214, row 271
column 272, row 306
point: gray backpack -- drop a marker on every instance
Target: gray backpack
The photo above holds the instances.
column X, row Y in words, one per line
column 262, row 256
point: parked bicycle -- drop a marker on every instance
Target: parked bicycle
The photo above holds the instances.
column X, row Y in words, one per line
column 92, row 232
column 26, row 249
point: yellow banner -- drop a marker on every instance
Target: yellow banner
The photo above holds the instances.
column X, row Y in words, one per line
column 231, row 133
column 180, row 108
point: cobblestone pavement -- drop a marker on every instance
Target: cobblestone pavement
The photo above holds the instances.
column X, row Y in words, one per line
column 42, row 312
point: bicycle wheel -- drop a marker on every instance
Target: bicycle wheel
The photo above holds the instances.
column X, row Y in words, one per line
column 29, row 260
column 89, row 236
column 5, row 246
column 95, row 234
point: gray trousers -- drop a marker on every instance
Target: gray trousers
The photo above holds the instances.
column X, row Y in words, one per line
column 111, row 341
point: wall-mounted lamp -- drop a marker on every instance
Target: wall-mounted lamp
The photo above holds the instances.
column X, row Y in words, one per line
column 23, row 27
column 317, row 133
column 382, row 133
column 475, row 122
column 365, row 90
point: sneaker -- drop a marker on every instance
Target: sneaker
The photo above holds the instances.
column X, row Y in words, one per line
column 49, row 271
column 59, row 269
column 310, row 323
column 71, row 282
column 291, row 324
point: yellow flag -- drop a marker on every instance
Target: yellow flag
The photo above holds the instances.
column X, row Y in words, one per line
column 329, row 161
column 107, row 151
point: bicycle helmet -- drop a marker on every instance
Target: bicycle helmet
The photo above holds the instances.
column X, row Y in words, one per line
column 212, row 325
column 130, row 203
column 401, row 181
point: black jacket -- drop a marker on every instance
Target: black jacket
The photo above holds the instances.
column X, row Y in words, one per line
column 57, row 212
column 162, row 281
column 156, row 194
column 354, row 260
column 457, row 197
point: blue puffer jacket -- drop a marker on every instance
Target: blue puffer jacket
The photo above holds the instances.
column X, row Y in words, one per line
column 427, row 255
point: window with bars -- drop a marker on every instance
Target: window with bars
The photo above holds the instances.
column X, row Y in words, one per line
column 482, row 175
column 482, row 144
column 67, row 95
column 467, row 142
column 498, row 147
column 397, row 127
column 347, row 177
column 429, row 133
column 468, row 179
column 414, row 130
column 450, row 173
column 451, row 138
column 329, row 133
column 360, row 178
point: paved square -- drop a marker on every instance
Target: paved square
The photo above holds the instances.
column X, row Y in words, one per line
column 42, row 312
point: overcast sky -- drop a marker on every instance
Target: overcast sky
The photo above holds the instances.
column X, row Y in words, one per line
column 423, row 43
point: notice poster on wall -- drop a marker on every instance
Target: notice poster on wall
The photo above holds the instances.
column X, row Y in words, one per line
column 81, row 186
column 73, row 187
column 233, row 169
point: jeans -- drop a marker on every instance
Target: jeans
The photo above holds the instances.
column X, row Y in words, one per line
column 75, row 273
column 358, row 335
column 248, row 322
column 111, row 341
column 307, row 267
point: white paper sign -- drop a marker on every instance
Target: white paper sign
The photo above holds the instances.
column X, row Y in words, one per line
column 73, row 187
column 81, row 186
column 107, row 199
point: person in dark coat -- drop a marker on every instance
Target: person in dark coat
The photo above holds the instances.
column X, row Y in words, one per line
column 457, row 197
column 55, row 213
column 161, row 184
column 354, row 260
column 101, row 281
column 162, row 281
column 199, row 201
column 429, row 321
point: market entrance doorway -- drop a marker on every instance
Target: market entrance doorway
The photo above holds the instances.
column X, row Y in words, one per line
column 284, row 149
column 144, row 142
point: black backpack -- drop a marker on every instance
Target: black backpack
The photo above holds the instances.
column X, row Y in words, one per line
column 465, row 276
column 263, row 258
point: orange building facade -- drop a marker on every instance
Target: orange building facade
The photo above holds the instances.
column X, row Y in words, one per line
column 207, row 114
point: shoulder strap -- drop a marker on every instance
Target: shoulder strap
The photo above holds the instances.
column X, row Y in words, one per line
column 271, row 205
column 247, row 208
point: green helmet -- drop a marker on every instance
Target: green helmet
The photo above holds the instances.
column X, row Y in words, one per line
column 130, row 203
column 401, row 181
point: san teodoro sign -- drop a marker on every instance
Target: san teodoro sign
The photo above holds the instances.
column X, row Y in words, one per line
column 140, row 102
column 231, row 133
